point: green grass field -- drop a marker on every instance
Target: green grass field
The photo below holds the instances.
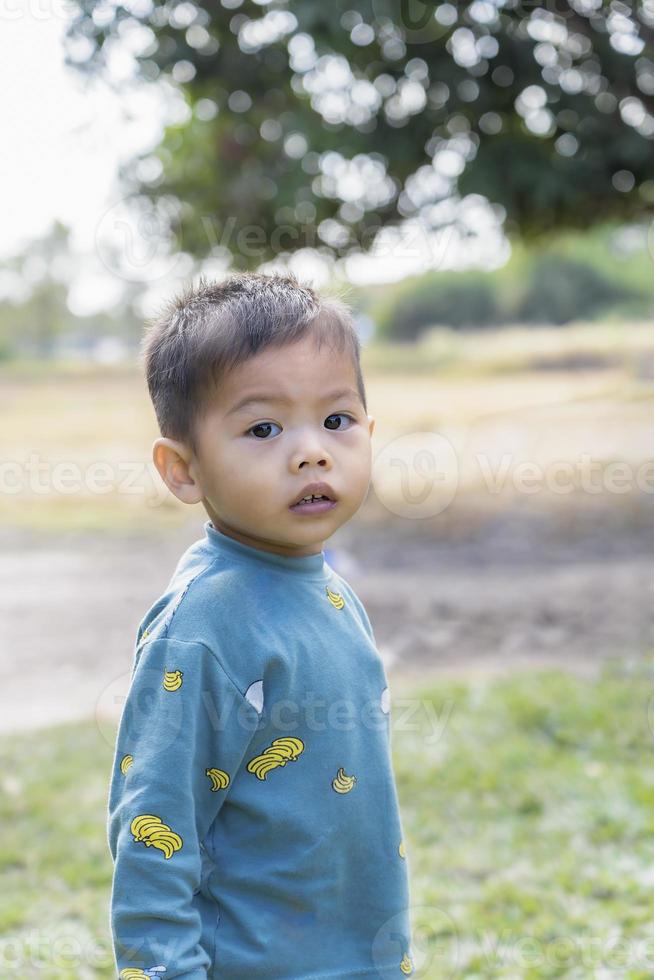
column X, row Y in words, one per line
column 528, row 813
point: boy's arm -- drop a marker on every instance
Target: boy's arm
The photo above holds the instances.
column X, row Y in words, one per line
column 182, row 717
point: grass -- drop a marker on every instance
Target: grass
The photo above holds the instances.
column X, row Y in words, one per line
column 507, row 350
column 54, row 863
column 528, row 813
column 530, row 827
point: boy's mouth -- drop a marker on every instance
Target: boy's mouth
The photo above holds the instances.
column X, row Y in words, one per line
column 314, row 499
column 315, row 506
column 315, row 491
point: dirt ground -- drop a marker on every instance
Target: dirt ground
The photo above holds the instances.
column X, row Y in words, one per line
column 477, row 593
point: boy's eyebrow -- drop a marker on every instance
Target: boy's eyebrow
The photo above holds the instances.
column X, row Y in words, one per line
column 259, row 397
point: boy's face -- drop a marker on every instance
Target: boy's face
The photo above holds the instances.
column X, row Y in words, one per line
column 254, row 461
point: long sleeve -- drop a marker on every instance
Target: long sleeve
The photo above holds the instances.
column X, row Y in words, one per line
column 183, row 734
column 359, row 606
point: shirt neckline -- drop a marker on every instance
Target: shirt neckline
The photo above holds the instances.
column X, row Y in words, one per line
column 303, row 566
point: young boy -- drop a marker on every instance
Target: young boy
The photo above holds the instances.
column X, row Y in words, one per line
column 253, row 817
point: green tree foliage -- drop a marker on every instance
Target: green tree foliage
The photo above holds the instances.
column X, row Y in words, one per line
column 318, row 123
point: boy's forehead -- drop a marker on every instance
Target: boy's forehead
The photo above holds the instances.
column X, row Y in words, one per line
column 276, row 375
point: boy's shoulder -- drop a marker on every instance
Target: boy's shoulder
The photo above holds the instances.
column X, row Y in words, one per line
column 195, row 617
column 219, row 607
column 179, row 612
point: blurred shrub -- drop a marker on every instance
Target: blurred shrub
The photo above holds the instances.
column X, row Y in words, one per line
column 544, row 288
column 562, row 289
column 7, row 342
column 458, row 299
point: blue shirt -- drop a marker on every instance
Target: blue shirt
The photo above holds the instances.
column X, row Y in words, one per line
column 253, row 818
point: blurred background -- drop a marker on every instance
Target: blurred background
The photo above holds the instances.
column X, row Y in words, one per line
column 476, row 181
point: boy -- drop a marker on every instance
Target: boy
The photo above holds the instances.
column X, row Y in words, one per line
column 253, row 817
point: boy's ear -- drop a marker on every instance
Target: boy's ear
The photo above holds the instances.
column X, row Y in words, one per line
column 371, row 424
column 172, row 460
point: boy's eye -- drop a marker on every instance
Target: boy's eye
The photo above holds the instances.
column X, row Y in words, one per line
column 337, row 415
column 262, row 425
column 262, row 429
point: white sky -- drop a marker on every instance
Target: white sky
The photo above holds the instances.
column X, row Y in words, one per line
column 63, row 142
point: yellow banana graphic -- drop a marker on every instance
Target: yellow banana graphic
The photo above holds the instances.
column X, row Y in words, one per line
column 219, row 779
column 401, row 849
column 125, row 763
column 342, row 783
column 261, row 766
column 285, row 748
column 136, row 973
column 142, row 824
column 335, row 598
column 406, row 966
column 151, row 830
column 172, row 680
column 168, row 842
column 278, row 753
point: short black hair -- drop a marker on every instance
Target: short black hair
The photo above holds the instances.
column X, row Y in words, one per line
column 211, row 327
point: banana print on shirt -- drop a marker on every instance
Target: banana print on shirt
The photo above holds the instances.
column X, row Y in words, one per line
column 136, row 973
column 219, row 779
column 153, row 832
column 406, row 966
column 281, row 751
column 336, row 599
column 150, row 830
column 196, row 649
column 343, row 783
column 172, row 680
